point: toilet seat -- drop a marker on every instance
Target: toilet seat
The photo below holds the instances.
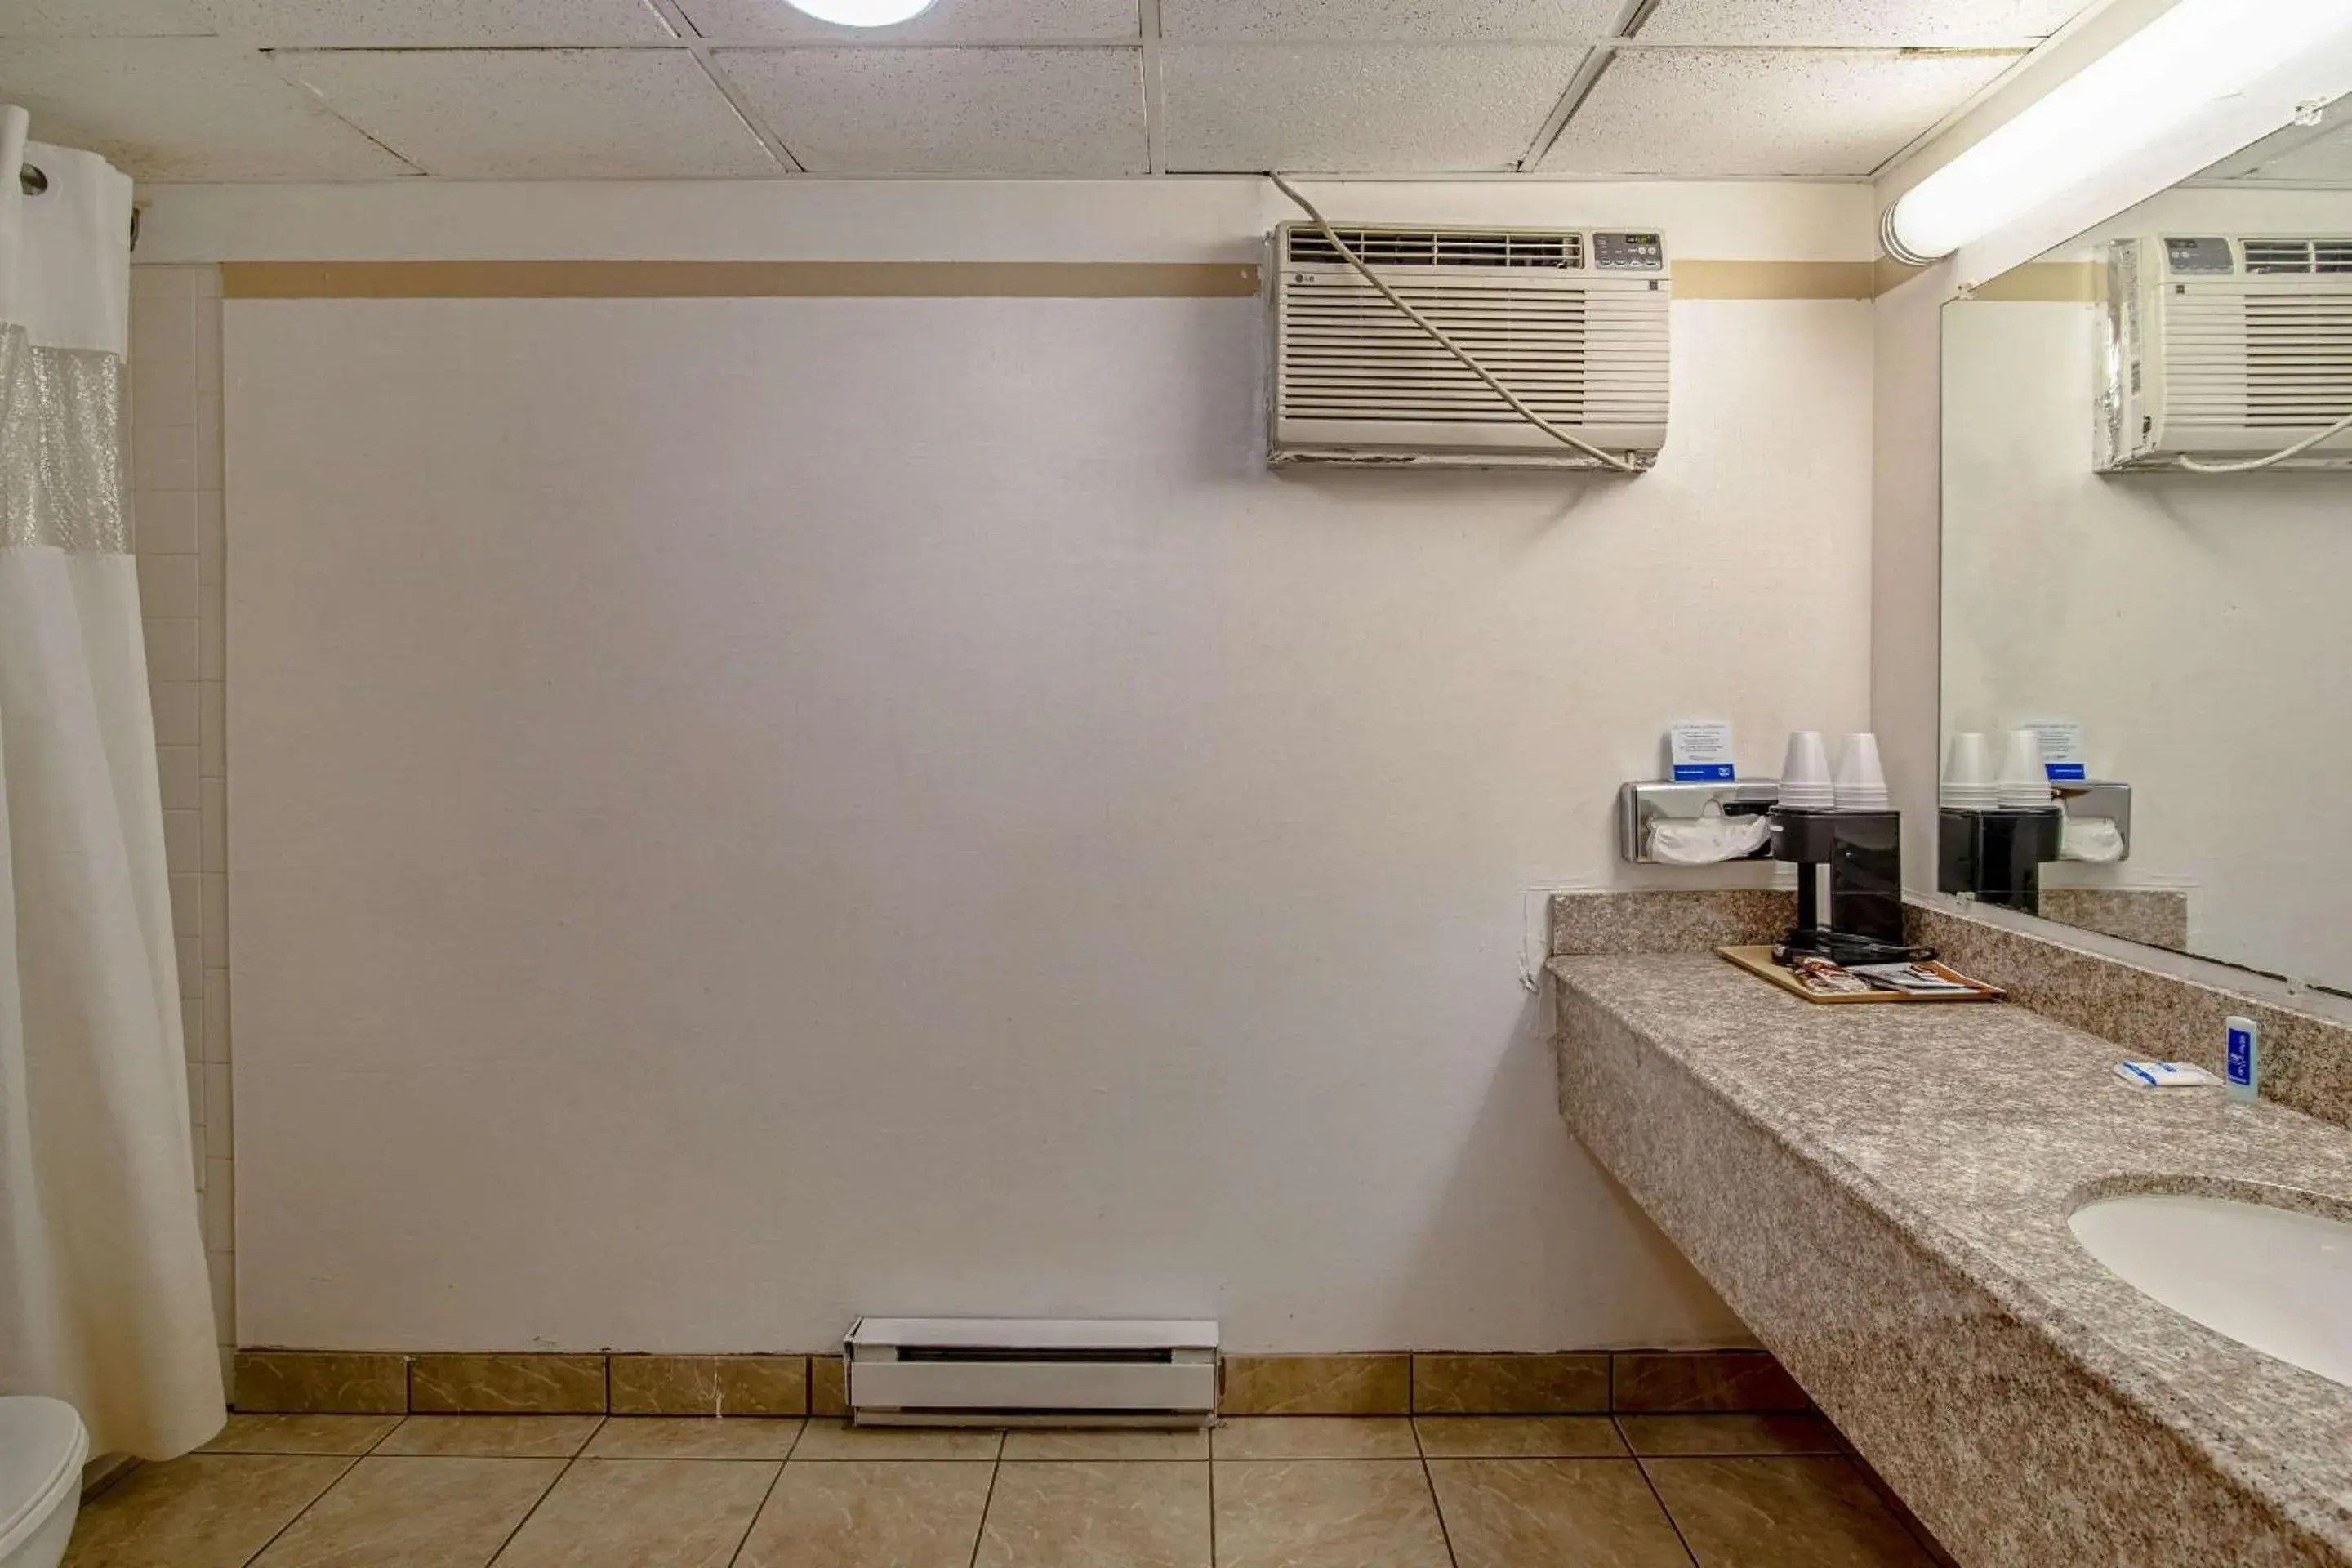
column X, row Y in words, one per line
column 42, row 1445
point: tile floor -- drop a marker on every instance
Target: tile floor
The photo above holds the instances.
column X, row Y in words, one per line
column 584, row 1492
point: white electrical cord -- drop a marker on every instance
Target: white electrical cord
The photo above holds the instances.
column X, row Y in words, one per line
column 2306, row 444
column 1518, row 404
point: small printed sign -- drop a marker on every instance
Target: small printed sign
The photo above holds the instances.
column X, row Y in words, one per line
column 2064, row 757
column 1700, row 753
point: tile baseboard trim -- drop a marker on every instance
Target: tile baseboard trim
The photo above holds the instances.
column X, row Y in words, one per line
column 1381, row 1382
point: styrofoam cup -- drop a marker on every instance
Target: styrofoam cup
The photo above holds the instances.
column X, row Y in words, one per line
column 1806, row 765
column 1861, row 780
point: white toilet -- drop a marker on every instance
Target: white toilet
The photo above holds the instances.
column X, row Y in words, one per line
column 42, row 1447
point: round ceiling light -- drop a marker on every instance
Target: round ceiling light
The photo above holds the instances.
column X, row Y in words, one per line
column 862, row 13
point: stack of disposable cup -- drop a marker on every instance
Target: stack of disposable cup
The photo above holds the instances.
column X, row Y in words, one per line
column 1861, row 780
column 1805, row 781
column 2024, row 782
column 1968, row 782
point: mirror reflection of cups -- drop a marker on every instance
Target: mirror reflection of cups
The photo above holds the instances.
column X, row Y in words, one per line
column 1968, row 780
column 2024, row 782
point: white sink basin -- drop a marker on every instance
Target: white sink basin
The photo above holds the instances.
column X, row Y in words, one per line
column 2278, row 1279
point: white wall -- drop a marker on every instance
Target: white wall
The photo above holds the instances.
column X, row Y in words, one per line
column 749, row 812
column 2195, row 625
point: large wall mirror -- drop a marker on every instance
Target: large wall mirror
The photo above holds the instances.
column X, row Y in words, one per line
column 2158, row 657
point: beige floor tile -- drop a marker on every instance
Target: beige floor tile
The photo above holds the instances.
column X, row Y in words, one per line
column 415, row 1513
column 1519, row 1437
column 693, row 1437
column 1107, row 1515
column 839, row 1440
column 346, row 1434
column 1781, row 1514
column 1327, row 1513
column 210, row 1510
column 492, row 1436
column 1097, row 1444
column 1718, row 1436
column 642, row 1514
column 1315, row 1438
column 863, row 1514
column 1594, row 1513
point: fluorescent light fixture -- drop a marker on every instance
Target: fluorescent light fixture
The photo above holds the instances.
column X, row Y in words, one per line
column 864, row 13
column 2193, row 54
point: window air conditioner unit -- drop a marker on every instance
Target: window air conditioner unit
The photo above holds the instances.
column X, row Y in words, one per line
column 997, row 1372
column 2224, row 350
column 1572, row 320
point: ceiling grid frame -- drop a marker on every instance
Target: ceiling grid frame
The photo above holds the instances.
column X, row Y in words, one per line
column 700, row 47
column 1630, row 18
column 1874, row 34
column 1155, row 136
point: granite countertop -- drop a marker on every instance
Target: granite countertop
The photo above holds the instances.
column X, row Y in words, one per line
column 1975, row 1130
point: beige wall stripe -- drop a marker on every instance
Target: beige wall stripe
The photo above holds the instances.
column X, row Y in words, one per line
column 1774, row 280
column 2048, row 283
column 737, row 280
column 904, row 280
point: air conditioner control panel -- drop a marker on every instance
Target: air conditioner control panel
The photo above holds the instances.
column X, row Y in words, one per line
column 1629, row 252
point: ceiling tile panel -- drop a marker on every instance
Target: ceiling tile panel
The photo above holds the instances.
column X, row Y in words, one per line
column 2325, row 160
column 100, row 19
column 949, row 21
column 183, row 109
column 1368, row 21
column 528, row 114
column 1861, row 23
column 880, row 111
column 1701, row 112
column 363, row 24
column 1388, row 108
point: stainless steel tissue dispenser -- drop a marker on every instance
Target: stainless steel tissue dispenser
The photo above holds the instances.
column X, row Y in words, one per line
column 1641, row 806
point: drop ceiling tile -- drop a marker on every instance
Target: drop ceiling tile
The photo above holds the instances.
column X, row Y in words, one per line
column 2326, row 164
column 1704, row 113
column 1358, row 108
column 183, row 109
column 363, row 24
column 100, row 19
column 1861, row 23
column 951, row 111
column 1370, row 21
column 532, row 114
column 949, row 21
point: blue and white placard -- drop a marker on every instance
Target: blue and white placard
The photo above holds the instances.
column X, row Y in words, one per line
column 1700, row 753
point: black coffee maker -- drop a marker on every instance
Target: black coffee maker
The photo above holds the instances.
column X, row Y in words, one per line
column 1849, row 882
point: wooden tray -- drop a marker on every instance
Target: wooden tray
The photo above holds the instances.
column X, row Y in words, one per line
column 1757, row 961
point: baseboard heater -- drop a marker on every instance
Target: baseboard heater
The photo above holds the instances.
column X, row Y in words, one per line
column 1032, row 1372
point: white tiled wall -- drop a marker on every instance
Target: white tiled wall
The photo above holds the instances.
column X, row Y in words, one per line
column 174, row 426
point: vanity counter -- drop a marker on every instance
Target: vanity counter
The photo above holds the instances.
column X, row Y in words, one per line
column 1881, row 1193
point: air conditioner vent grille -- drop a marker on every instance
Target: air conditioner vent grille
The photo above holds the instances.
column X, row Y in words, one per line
column 2272, row 258
column 1576, row 325
column 1439, row 248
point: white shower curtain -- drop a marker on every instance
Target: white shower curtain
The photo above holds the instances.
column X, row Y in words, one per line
column 103, row 1298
